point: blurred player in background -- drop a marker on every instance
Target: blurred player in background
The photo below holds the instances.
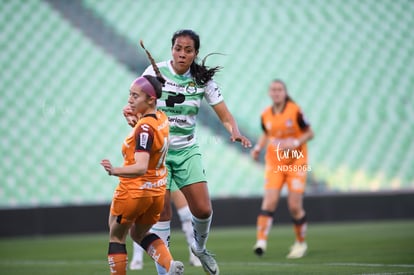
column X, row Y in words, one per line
column 139, row 197
column 183, row 211
column 285, row 134
column 187, row 83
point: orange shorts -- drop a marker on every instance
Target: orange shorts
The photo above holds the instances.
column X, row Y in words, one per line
column 144, row 210
column 293, row 175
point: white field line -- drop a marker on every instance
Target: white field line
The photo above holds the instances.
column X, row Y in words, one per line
column 372, row 265
column 387, row 273
column 329, row 264
column 100, row 262
column 52, row 262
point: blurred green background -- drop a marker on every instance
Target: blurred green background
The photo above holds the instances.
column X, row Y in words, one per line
column 66, row 67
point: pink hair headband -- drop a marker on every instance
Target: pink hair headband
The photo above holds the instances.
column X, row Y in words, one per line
column 146, row 86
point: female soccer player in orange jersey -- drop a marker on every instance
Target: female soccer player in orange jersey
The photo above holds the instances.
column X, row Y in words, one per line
column 184, row 214
column 139, row 198
column 285, row 133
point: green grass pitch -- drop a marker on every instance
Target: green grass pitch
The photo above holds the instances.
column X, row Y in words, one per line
column 380, row 247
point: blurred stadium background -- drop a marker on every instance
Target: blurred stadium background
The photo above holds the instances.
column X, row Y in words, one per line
column 67, row 66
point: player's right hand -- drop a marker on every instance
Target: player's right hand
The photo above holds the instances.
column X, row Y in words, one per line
column 129, row 116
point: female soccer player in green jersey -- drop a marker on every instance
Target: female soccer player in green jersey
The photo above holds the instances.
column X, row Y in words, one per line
column 187, row 83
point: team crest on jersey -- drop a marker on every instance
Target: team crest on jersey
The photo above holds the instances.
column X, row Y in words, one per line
column 191, row 88
column 289, row 123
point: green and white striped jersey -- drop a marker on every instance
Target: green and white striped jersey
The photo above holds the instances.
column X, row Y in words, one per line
column 181, row 100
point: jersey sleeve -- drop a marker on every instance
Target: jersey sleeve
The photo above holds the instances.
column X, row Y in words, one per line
column 302, row 121
column 262, row 123
column 213, row 94
column 144, row 136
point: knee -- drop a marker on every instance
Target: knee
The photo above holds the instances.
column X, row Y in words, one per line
column 293, row 205
column 203, row 212
column 296, row 211
column 269, row 206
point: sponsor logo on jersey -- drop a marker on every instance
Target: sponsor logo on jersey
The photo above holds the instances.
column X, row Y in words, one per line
column 217, row 90
column 169, row 83
column 143, row 139
column 145, row 127
column 177, row 120
column 151, row 185
column 163, row 125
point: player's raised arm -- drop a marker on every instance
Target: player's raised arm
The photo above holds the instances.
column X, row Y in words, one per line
column 230, row 124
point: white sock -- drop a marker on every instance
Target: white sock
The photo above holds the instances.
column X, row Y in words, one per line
column 201, row 230
column 138, row 253
column 185, row 218
column 163, row 230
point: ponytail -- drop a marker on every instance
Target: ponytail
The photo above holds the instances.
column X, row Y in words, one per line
column 201, row 73
column 154, row 65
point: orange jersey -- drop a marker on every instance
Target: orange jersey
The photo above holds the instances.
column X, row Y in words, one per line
column 149, row 135
column 290, row 123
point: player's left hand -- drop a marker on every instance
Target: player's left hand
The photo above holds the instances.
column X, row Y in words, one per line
column 245, row 142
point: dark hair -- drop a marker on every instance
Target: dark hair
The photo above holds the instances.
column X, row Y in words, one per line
column 201, row 73
column 277, row 80
column 158, row 81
